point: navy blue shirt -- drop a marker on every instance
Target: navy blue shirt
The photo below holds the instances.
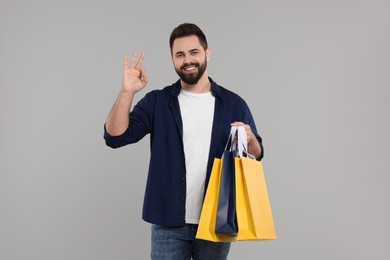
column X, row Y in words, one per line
column 158, row 114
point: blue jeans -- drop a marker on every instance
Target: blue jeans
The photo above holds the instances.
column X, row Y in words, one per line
column 179, row 243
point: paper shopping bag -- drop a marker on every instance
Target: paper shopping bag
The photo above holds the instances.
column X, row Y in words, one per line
column 206, row 227
column 254, row 215
column 226, row 213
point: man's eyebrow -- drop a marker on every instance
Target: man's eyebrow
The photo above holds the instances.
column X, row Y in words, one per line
column 182, row 52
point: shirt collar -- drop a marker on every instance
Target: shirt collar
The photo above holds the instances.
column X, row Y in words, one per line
column 215, row 89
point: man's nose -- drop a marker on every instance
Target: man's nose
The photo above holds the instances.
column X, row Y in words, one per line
column 187, row 59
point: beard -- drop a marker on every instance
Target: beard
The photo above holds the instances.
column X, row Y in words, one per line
column 192, row 78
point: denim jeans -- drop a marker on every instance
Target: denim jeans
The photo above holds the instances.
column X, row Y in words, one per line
column 179, row 243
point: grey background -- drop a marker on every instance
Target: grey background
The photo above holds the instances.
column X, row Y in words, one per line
column 314, row 73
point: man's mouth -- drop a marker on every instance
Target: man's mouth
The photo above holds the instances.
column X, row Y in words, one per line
column 189, row 68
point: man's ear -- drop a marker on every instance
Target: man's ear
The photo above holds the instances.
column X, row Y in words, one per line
column 208, row 54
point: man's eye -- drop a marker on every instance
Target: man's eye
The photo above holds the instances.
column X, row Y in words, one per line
column 194, row 53
column 179, row 55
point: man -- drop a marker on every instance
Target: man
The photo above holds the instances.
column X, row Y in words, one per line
column 189, row 123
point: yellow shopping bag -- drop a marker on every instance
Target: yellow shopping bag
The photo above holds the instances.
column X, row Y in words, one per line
column 254, row 215
column 208, row 216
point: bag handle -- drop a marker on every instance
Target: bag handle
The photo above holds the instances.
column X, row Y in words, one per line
column 229, row 143
column 241, row 146
column 243, row 143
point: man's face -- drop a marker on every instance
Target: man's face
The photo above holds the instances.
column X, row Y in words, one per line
column 189, row 58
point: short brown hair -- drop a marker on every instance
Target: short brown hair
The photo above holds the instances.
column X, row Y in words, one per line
column 188, row 29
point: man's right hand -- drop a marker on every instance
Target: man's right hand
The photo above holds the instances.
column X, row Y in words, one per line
column 134, row 79
column 134, row 76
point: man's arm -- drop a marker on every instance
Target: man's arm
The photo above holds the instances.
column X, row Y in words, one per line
column 118, row 119
column 254, row 146
column 133, row 80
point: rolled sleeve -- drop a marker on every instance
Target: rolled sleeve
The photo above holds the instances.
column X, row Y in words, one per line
column 115, row 141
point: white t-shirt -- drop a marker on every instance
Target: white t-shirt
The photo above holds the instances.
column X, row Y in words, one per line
column 197, row 112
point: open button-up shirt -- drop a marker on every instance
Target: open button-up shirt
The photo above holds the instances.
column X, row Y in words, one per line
column 158, row 114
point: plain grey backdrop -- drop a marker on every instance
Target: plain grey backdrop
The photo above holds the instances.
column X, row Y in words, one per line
column 314, row 73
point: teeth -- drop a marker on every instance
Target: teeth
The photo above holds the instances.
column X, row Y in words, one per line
column 190, row 68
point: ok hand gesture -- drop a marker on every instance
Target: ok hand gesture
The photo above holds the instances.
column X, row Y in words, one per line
column 134, row 76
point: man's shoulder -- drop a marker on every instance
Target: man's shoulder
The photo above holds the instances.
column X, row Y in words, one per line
column 226, row 93
column 164, row 91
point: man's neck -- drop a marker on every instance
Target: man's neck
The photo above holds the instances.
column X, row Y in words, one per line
column 203, row 85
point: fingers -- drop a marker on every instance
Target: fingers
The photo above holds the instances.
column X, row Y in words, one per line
column 237, row 124
column 133, row 64
column 144, row 76
column 248, row 129
column 126, row 62
column 140, row 61
column 133, row 59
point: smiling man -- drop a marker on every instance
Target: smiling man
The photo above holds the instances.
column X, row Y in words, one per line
column 189, row 123
column 190, row 61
